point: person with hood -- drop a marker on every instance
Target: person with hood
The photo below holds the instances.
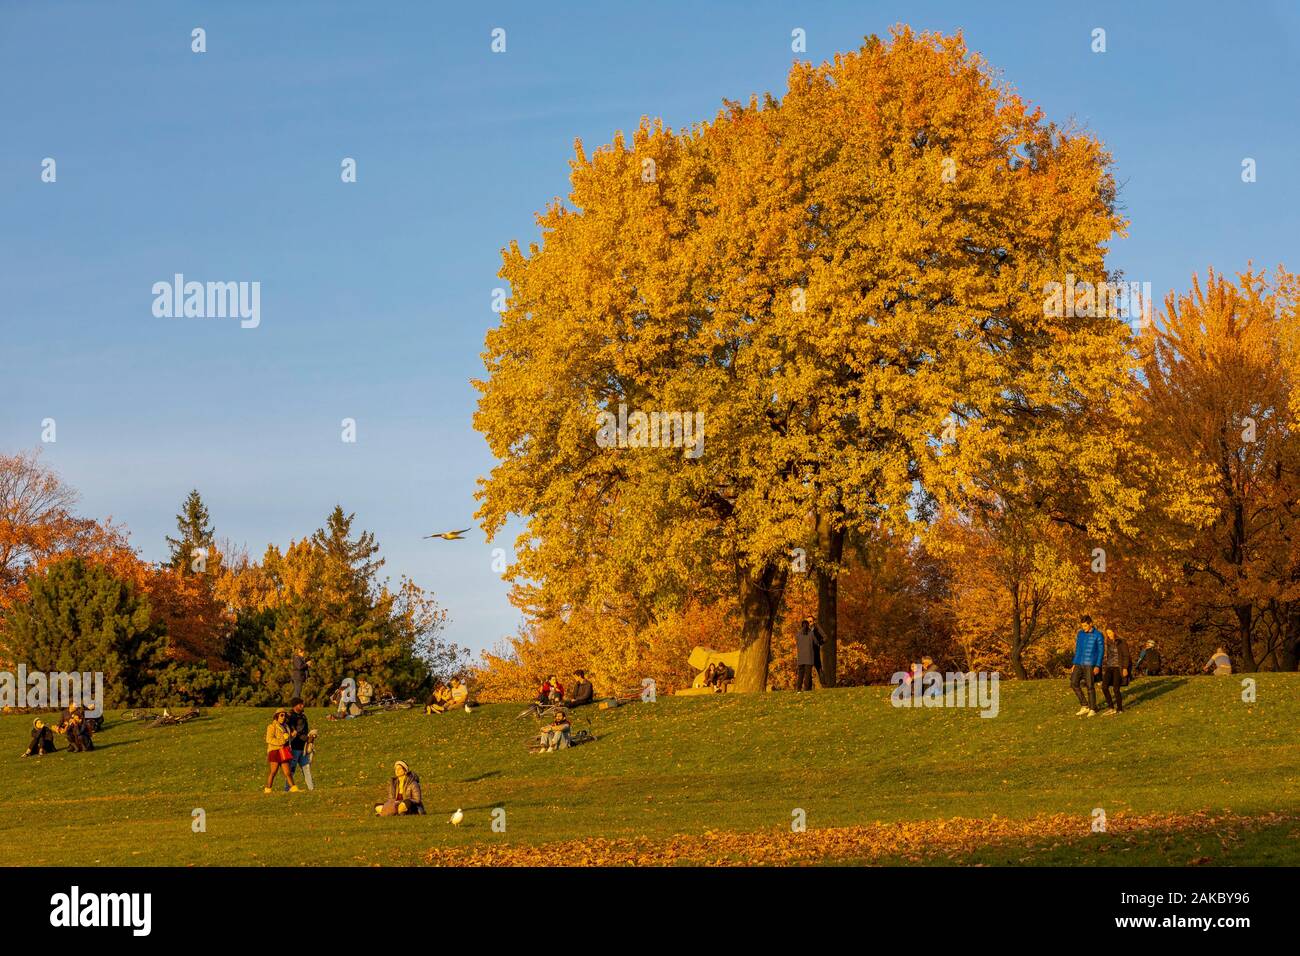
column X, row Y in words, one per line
column 42, row 740
column 808, row 643
column 1114, row 671
column 1089, row 650
column 404, row 795
column 279, row 755
column 583, row 692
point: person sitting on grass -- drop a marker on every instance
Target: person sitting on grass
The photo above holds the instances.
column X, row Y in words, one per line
column 440, row 700
column 555, row 736
column 551, row 692
column 1148, row 661
column 42, row 740
column 459, row 693
column 583, row 691
column 1219, row 664
column 77, row 733
column 722, row 678
column 404, row 795
column 279, row 755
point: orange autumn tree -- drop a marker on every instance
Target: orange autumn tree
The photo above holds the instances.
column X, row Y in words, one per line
column 1222, row 397
column 824, row 281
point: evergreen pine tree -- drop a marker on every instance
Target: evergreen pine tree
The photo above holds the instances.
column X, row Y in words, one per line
column 195, row 536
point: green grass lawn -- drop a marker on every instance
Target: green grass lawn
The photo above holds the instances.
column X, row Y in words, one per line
column 677, row 766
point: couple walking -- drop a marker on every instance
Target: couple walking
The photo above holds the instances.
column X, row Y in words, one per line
column 1103, row 657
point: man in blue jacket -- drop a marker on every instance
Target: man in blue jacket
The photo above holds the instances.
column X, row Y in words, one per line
column 1089, row 649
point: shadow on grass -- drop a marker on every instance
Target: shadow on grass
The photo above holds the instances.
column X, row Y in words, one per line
column 1146, row 691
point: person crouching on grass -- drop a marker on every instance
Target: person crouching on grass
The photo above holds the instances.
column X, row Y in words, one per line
column 404, row 795
column 1089, row 651
column 279, row 755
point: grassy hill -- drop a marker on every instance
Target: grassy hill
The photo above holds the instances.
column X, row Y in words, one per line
column 1189, row 773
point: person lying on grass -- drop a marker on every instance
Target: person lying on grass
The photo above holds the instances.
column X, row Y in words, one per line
column 404, row 795
column 555, row 736
column 279, row 755
column 42, row 740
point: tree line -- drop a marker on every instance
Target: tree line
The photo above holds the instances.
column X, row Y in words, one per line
column 209, row 624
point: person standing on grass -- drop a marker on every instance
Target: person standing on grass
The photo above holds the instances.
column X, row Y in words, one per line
column 1089, row 651
column 298, row 733
column 299, row 668
column 279, row 755
column 1114, row 671
column 555, row 736
column 808, row 645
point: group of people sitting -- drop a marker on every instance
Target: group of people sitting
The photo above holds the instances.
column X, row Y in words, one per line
column 718, row 676
column 345, row 706
column 73, row 725
column 551, row 693
column 445, row 698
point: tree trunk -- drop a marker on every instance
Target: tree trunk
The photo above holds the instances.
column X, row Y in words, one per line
column 830, row 541
column 760, row 598
column 1289, row 659
column 1017, row 638
column 1244, row 625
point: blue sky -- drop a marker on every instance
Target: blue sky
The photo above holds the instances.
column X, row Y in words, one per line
column 376, row 295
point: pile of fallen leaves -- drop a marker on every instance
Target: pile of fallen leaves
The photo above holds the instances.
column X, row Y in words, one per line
column 907, row 841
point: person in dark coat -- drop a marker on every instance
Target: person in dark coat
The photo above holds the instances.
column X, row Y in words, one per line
column 583, row 692
column 42, row 740
column 299, row 734
column 1148, row 661
column 808, row 643
column 77, row 734
column 299, row 667
column 1115, row 666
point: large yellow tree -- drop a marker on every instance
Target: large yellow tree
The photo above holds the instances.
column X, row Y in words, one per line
column 830, row 281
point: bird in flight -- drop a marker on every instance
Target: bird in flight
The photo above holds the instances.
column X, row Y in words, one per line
column 449, row 535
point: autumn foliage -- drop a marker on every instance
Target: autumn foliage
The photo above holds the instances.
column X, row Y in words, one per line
column 853, row 287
